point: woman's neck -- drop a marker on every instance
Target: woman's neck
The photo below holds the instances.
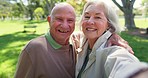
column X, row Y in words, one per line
column 91, row 43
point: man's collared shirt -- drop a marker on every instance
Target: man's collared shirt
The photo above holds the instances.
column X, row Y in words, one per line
column 53, row 43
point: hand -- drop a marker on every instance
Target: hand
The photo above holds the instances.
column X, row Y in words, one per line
column 76, row 41
column 143, row 73
column 117, row 40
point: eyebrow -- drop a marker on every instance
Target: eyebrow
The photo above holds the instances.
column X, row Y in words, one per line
column 98, row 13
column 88, row 13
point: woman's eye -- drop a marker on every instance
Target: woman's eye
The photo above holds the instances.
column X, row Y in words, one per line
column 70, row 21
column 98, row 17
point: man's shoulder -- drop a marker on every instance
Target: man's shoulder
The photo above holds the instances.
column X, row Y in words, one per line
column 36, row 42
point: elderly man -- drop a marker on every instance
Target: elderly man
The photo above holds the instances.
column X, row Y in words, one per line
column 51, row 56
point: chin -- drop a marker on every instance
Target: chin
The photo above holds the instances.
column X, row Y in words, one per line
column 64, row 37
column 92, row 36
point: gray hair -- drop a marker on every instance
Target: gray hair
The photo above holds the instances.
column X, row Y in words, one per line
column 109, row 13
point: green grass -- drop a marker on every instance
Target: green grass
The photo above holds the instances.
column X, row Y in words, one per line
column 140, row 22
column 138, row 44
column 9, row 27
column 12, row 41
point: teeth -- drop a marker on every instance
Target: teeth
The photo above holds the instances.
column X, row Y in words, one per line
column 62, row 31
column 90, row 29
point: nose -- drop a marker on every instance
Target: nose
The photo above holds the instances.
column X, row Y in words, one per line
column 65, row 24
column 91, row 21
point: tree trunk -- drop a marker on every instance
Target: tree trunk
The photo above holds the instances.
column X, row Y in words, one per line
column 146, row 30
column 50, row 5
column 129, row 19
column 31, row 14
column 127, row 9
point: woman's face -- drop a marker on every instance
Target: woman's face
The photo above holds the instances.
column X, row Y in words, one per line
column 94, row 22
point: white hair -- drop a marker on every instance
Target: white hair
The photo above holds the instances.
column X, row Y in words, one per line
column 109, row 13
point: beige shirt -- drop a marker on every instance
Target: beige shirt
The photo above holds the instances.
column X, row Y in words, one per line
column 104, row 62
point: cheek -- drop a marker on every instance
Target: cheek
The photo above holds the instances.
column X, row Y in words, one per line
column 83, row 24
column 54, row 24
column 72, row 27
column 103, row 25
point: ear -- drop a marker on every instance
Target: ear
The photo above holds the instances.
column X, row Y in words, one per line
column 49, row 18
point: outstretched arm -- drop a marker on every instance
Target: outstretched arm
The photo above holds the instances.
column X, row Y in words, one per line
column 115, row 39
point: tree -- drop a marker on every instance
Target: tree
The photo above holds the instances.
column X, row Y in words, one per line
column 39, row 12
column 5, row 9
column 145, row 4
column 47, row 5
column 50, row 4
column 144, row 1
column 30, row 7
column 127, row 9
column 78, row 5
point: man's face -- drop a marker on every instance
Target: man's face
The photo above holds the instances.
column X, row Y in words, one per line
column 62, row 24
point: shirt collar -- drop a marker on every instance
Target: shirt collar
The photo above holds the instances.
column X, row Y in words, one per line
column 53, row 43
column 101, row 42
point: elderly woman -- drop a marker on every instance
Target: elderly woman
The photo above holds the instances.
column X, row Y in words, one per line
column 96, row 59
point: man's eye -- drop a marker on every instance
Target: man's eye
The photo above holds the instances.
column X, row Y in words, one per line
column 70, row 20
column 87, row 17
column 59, row 19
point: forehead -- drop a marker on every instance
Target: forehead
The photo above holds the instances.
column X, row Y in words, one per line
column 94, row 9
column 64, row 11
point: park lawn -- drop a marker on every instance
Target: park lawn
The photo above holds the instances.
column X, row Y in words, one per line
column 138, row 44
column 139, row 22
column 12, row 41
column 9, row 27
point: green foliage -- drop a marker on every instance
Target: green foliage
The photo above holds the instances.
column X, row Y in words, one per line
column 145, row 7
column 5, row 8
column 16, row 10
column 9, row 9
column 137, row 11
column 39, row 12
column 144, row 1
column 78, row 5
